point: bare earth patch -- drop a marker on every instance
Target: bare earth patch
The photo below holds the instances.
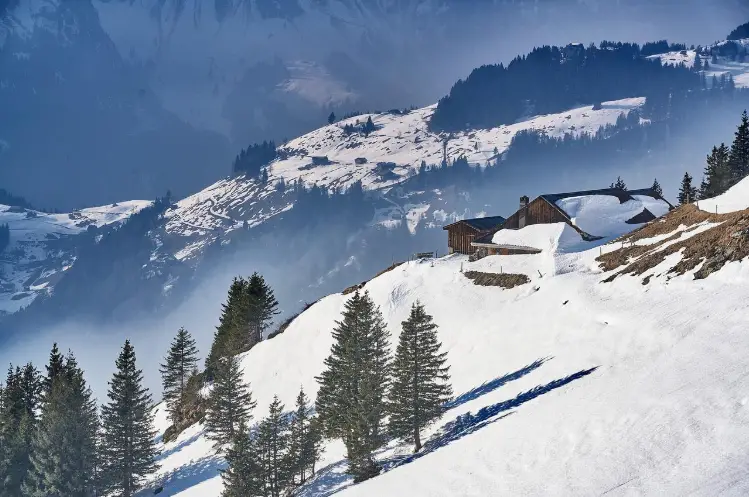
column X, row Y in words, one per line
column 504, row 280
column 727, row 242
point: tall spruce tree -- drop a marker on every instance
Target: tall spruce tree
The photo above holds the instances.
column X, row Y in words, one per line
column 716, row 178
column 54, row 368
column 657, row 188
column 242, row 476
column 230, row 316
column 273, row 452
column 305, row 441
column 21, row 401
column 179, row 365
column 687, row 192
column 420, row 385
column 64, row 455
column 229, row 403
column 350, row 401
column 128, row 442
column 259, row 306
column 247, row 314
column 738, row 161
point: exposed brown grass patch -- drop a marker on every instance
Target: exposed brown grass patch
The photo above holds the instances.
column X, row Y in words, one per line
column 504, row 280
column 716, row 246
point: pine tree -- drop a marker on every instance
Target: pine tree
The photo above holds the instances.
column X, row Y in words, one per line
column 369, row 126
column 657, row 189
column 697, row 62
column 64, row 455
column 716, row 178
column 331, row 118
column 54, row 368
column 420, row 385
column 230, row 311
column 128, row 446
column 21, row 400
column 273, row 450
column 242, row 477
column 350, row 401
column 620, row 185
column 261, row 307
column 305, row 447
column 179, row 365
column 687, row 192
column 229, row 403
column 738, row 162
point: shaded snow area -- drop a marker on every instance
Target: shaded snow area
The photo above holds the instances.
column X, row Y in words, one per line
column 564, row 385
column 605, row 216
column 735, row 199
column 402, row 141
column 40, row 247
column 545, row 237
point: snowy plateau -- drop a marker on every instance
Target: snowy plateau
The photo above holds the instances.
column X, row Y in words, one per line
column 588, row 379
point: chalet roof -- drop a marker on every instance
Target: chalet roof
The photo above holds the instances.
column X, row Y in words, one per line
column 480, row 223
column 622, row 195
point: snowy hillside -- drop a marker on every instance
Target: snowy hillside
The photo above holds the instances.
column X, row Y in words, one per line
column 42, row 247
column 722, row 65
column 587, row 380
column 393, row 153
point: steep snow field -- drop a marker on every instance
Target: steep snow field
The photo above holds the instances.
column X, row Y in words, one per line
column 735, row 199
column 575, row 387
column 37, row 254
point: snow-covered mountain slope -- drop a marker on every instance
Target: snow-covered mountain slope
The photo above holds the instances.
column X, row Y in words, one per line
column 722, row 65
column 571, row 384
column 42, row 247
column 392, row 154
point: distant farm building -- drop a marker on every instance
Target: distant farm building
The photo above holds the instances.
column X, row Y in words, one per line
column 462, row 233
column 593, row 214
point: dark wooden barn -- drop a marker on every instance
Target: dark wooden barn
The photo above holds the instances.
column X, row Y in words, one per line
column 462, row 233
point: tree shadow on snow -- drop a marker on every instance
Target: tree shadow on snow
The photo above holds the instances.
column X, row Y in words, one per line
column 186, row 476
column 332, row 479
column 469, row 423
column 490, row 386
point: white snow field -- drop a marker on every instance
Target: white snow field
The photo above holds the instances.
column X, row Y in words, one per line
column 735, row 199
column 36, row 255
column 605, row 215
column 574, row 386
column 722, row 65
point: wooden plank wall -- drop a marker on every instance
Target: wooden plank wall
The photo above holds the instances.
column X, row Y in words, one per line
column 460, row 236
column 539, row 212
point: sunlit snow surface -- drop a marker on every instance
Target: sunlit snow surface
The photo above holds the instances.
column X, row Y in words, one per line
column 576, row 387
column 735, row 199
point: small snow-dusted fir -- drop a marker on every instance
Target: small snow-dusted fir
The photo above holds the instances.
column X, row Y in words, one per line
column 242, row 478
column 229, row 403
column 179, row 365
column 420, row 387
column 272, row 450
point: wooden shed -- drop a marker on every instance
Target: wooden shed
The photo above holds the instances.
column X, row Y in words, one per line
column 461, row 234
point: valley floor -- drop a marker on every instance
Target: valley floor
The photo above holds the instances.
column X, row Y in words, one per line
column 574, row 386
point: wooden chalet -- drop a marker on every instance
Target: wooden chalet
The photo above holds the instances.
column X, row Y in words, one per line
column 461, row 234
column 546, row 210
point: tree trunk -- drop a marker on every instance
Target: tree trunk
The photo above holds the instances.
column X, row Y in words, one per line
column 417, row 441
